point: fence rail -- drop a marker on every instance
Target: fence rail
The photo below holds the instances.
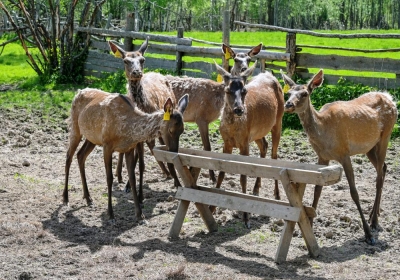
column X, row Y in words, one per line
column 175, row 49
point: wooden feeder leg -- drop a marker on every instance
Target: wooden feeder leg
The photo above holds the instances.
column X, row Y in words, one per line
column 287, row 234
column 178, row 219
column 295, row 199
column 284, row 243
column 189, row 178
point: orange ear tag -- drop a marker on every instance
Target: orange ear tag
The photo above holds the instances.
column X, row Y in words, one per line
column 167, row 115
column 286, row 88
column 219, row 78
column 118, row 54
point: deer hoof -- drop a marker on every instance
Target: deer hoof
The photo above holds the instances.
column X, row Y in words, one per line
column 143, row 222
column 370, row 241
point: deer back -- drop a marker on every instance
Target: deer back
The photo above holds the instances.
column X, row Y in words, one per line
column 206, row 97
column 156, row 91
column 355, row 126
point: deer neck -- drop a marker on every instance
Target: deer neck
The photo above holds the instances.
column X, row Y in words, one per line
column 143, row 127
column 310, row 120
column 135, row 91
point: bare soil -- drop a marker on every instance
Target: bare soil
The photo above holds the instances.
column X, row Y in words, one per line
column 42, row 239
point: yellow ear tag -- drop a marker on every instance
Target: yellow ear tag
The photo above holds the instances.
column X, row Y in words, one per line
column 286, row 88
column 118, row 54
column 167, row 115
column 227, row 55
column 219, row 78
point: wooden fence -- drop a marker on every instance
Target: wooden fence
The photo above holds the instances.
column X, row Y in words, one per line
column 173, row 51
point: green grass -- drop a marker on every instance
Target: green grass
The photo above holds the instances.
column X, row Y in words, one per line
column 278, row 39
column 14, row 66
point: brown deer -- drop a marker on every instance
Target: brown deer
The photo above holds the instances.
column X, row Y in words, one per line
column 207, row 96
column 241, row 59
column 250, row 112
column 115, row 122
column 345, row 128
column 149, row 91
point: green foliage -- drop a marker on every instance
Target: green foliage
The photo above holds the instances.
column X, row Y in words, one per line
column 110, row 82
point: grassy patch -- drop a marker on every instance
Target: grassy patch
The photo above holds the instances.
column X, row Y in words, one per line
column 14, row 67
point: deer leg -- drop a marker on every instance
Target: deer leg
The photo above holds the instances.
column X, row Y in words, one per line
column 140, row 150
column 262, row 146
column 83, row 153
column 74, row 143
column 119, row 167
column 317, row 190
column 348, row 170
column 138, row 154
column 107, row 154
column 205, row 139
column 130, row 160
column 244, row 151
column 276, row 137
column 151, row 145
column 172, row 170
column 377, row 156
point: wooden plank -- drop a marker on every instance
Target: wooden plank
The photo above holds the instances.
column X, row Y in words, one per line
column 356, row 63
column 245, row 165
column 310, row 211
column 380, row 83
column 294, row 196
column 245, row 204
column 136, row 35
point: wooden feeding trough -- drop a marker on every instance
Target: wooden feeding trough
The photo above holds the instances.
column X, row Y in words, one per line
column 294, row 177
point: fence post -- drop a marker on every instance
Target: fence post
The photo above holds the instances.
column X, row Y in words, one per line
column 179, row 55
column 226, row 38
column 291, row 48
column 130, row 26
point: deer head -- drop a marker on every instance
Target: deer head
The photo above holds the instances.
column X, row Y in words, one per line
column 173, row 120
column 235, row 91
column 242, row 60
column 134, row 61
column 299, row 95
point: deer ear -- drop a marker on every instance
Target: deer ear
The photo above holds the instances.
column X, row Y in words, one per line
column 117, row 50
column 144, row 45
column 225, row 74
column 316, row 81
column 254, row 51
column 183, row 102
column 288, row 81
column 228, row 52
column 168, row 105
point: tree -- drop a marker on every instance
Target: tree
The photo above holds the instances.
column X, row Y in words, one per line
column 62, row 52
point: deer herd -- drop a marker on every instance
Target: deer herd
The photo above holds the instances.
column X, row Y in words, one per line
column 157, row 106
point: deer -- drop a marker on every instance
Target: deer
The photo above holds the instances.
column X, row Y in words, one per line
column 115, row 122
column 250, row 112
column 342, row 129
column 149, row 91
column 207, row 96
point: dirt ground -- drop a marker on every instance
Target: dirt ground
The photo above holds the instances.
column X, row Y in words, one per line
column 42, row 239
